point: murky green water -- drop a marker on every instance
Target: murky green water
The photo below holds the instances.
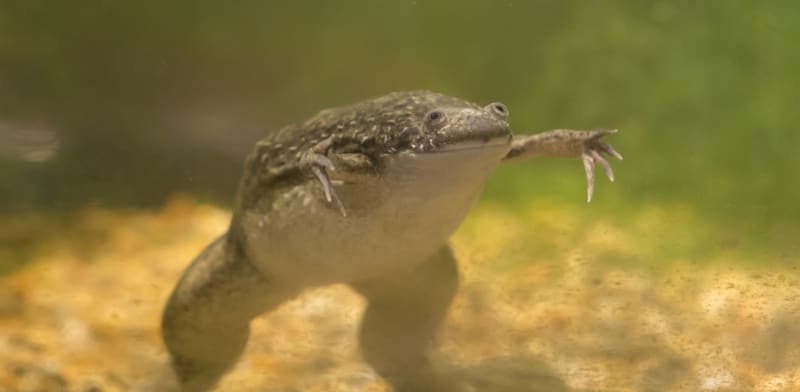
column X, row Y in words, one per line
column 109, row 109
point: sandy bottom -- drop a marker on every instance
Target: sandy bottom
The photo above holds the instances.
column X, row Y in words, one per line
column 549, row 302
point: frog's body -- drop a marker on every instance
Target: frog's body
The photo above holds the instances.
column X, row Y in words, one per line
column 366, row 195
column 298, row 236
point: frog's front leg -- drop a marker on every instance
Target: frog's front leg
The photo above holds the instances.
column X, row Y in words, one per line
column 321, row 160
column 567, row 143
column 317, row 162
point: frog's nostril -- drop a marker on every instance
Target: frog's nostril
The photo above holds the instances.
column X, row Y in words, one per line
column 498, row 109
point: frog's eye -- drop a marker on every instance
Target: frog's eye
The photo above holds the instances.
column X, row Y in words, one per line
column 498, row 109
column 435, row 118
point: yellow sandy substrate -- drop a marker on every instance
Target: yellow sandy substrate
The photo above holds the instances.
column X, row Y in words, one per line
column 549, row 301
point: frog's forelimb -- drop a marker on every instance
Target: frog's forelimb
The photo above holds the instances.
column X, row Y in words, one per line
column 315, row 159
column 568, row 143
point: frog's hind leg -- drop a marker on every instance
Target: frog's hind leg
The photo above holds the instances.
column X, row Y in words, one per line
column 206, row 321
column 404, row 312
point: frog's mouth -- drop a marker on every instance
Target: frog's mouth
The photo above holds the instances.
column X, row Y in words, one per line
column 489, row 137
column 472, row 143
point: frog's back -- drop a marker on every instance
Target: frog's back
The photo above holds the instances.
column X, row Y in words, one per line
column 367, row 122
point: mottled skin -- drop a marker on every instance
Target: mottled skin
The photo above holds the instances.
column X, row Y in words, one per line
column 365, row 195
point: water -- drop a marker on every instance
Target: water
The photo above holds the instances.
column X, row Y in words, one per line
column 123, row 128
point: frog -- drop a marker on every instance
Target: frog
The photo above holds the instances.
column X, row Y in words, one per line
column 365, row 195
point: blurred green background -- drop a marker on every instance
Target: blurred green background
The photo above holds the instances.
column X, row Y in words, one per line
column 123, row 103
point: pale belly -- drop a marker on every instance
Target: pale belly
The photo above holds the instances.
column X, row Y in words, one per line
column 393, row 221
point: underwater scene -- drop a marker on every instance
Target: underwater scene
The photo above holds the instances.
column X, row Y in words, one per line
column 443, row 196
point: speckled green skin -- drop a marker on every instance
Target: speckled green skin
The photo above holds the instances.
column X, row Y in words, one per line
column 365, row 195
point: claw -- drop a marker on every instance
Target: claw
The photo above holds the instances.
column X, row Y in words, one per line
column 607, row 148
column 327, row 187
column 339, row 204
column 323, row 161
column 603, row 162
column 326, row 182
column 588, row 166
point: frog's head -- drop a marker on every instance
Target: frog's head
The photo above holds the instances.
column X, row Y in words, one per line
column 435, row 122
column 449, row 128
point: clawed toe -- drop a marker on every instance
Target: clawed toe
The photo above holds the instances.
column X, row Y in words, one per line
column 593, row 154
column 320, row 165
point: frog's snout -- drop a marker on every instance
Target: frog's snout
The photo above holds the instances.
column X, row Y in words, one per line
column 488, row 129
column 476, row 131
